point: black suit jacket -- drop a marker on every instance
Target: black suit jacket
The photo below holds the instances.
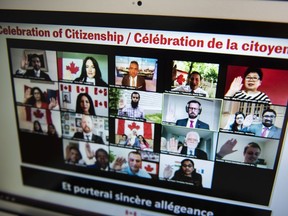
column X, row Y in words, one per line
column 140, row 85
column 95, row 138
column 199, row 154
column 43, row 75
column 200, row 124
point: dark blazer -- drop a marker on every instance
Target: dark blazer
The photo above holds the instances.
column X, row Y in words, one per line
column 140, row 85
column 95, row 138
column 199, row 154
column 43, row 75
column 200, row 124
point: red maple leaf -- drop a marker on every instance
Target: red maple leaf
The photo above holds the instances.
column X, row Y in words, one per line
column 180, row 79
column 72, row 68
column 38, row 114
column 149, row 168
column 133, row 125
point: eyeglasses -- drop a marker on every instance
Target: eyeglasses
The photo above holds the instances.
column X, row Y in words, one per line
column 239, row 118
column 192, row 140
column 193, row 108
column 269, row 116
column 252, row 78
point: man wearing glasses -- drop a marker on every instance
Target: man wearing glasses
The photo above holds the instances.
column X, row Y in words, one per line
column 267, row 128
column 194, row 109
column 252, row 80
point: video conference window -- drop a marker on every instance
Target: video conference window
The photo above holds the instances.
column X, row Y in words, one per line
column 34, row 64
column 262, row 85
column 133, row 134
column 36, row 94
column 83, row 68
column 41, row 121
column 185, row 170
column 136, row 72
column 195, row 78
column 192, row 112
column 192, row 143
column 247, row 150
column 90, row 155
column 252, row 118
column 134, row 163
column 144, row 106
column 88, row 100
column 85, row 127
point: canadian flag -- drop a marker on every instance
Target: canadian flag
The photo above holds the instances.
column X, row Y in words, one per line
column 150, row 167
column 70, row 68
column 41, row 115
column 82, row 89
column 143, row 128
column 98, row 103
column 65, row 88
column 100, row 91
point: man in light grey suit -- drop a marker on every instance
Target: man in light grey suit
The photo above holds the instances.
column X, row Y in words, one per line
column 267, row 128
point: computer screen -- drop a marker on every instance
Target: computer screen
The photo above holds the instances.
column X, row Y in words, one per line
column 109, row 113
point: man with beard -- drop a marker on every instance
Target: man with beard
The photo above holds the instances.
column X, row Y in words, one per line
column 35, row 72
column 193, row 108
column 133, row 110
column 87, row 131
column 267, row 128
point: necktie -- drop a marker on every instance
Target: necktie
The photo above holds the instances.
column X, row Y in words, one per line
column 191, row 124
column 264, row 132
column 87, row 137
column 190, row 152
column 133, row 82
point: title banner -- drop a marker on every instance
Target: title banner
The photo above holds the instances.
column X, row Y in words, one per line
column 172, row 40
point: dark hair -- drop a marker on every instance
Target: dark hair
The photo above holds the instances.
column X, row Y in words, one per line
column 31, row 100
column 135, row 152
column 254, row 70
column 182, row 162
column 235, row 125
column 134, row 62
column 98, row 75
column 35, row 56
column 125, row 135
column 40, row 128
column 101, row 150
column 78, row 102
column 73, row 147
column 193, row 101
column 269, row 110
column 180, row 172
column 195, row 72
column 135, row 93
column 253, row 145
column 49, row 133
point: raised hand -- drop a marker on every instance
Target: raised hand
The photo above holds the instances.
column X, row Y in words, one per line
column 172, row 145
column 235, row 86
column 167, row 172
column 227, row 147
column 89, row 152
column 117, row 165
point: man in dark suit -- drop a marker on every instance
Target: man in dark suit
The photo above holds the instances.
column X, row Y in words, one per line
column 267, row 128
column 132, row 79
column 194, row 109
column 36, row 72
column 87, row 131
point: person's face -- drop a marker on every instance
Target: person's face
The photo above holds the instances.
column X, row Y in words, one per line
column 193, row 110
column 239, row 119
column 268, row 119
column 252, row 81
column 135, row 162
column 251, row 155
column 36, row 63
column 74, row 156
column 87, row 124
column 187, row 168
column 51, row 129
column 192, row 141
column 90, row 69
column 135, row 98
column 195, row 81
column 102, row 158
column 133, row 70
column 85, row 104
column 36, row 126
column 37, row 95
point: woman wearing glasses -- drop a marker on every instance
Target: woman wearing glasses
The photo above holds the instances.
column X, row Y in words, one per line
column 252, row 80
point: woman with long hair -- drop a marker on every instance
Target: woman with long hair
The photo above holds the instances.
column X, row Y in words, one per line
column 91, row 73
column 84, row 104
column 238, row 124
